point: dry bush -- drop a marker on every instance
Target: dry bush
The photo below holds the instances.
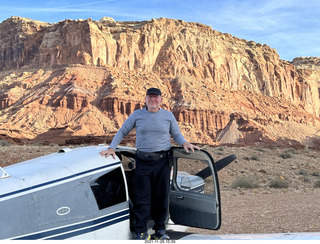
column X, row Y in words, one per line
column 248, row 182
column 279, row 183
column 317, row 184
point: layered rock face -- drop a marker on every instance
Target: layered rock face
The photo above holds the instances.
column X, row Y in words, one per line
column 83, row 78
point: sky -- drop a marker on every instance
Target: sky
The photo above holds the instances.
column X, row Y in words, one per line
column 292, row 27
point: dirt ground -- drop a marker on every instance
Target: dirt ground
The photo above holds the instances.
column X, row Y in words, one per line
column 286, row 193
column 265, row 190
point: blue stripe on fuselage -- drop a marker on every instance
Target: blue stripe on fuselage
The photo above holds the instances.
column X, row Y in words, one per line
column 79, row 229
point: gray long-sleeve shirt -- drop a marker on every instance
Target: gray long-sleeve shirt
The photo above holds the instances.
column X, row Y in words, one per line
column 153, row 130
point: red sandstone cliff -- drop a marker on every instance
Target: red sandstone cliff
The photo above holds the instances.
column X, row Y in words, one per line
column 83, row 78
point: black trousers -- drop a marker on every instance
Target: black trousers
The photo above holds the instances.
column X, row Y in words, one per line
column 151, row 192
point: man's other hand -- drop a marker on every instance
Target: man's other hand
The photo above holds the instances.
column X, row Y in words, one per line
column 188, row 145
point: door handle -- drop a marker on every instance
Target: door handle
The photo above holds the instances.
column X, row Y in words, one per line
column 180, row 197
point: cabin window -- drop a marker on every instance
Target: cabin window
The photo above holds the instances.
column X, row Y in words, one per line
column 109, row 189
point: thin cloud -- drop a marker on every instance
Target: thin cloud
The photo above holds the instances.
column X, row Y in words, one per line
column 290, row 26
column 67, row 8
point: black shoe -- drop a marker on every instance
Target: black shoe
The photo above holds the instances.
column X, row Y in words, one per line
column 143, row 236
column 161, row 235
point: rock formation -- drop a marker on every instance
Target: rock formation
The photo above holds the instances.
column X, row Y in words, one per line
column 78, row 79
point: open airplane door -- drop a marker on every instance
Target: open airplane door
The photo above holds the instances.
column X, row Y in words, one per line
column 194, row 193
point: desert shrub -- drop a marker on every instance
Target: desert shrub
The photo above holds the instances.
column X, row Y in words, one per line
column 253, row 157
column 291, row 150
column 279, row 183
column 306, row 179
column 303, row 172
column 285, row 155
column 4, row 143
column 317, row 184
column 36, row 144
column 220, row 151
column 245, row 182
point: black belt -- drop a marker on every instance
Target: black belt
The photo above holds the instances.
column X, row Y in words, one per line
column 151, row 156
column 163, row 151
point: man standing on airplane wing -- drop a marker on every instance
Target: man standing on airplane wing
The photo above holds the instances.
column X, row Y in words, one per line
column 154, row 126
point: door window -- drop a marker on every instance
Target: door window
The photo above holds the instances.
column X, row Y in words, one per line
column 194, row 175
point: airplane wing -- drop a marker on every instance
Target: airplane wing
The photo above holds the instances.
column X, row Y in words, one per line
column 267, row 236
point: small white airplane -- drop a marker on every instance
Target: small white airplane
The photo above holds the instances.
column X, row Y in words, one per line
column 78, row 194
